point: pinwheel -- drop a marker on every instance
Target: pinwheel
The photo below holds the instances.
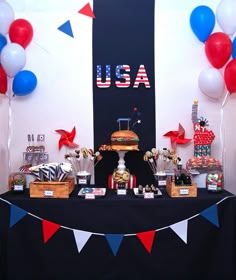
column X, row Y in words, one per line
column 66, row 138
column 177, row 137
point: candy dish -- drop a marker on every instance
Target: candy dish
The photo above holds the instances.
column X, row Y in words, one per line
column 137, row 193
column 93, row 191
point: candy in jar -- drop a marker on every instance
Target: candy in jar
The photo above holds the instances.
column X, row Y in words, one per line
column 215, row 181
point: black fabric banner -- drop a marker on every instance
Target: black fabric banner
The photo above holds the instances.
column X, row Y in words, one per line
column 123, row 68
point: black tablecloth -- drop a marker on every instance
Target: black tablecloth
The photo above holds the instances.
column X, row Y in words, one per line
column 210, row 252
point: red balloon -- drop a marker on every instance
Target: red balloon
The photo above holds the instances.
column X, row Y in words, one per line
column 218, row 49
column 229, row 76
column 3, row 81
column 21, row 32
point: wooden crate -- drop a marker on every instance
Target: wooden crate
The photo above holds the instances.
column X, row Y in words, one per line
column 52, row 189
column 181, row 191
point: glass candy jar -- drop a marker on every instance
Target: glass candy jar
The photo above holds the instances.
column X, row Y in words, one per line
column 214, row 181
column 17, row 182
column 121, row 177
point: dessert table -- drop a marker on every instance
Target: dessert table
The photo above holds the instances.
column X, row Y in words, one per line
column 129, row 237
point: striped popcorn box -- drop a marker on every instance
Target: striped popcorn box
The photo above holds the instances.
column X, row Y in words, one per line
column 53, row 171
column 34, row 170
column 64, row 169
column 45, row 172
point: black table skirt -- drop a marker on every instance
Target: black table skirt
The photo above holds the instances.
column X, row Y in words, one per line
column 210, row 252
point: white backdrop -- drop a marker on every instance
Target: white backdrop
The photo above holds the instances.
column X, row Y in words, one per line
column 63, row 96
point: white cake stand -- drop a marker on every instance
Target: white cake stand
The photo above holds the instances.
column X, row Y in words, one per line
column 121, row 170
column 121, row 162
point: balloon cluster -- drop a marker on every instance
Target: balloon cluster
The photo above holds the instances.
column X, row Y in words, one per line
column 15, row 36
column 220, row 49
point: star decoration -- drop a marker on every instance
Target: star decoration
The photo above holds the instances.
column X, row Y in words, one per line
column 66, row 138
column 177, row 137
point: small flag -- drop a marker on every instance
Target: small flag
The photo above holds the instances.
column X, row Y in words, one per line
column 181, row 229
column 211, row 214
column 49, row 229
column 16, row 215
column 147, row 239
column 114, row 240
column 87, row 11
column 66, row 28
column 81, row 238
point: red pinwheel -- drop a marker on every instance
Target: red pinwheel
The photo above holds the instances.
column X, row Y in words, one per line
column 177, row 137
column 66, row 138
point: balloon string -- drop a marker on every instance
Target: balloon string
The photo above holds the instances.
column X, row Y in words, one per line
column 9, row 123
column 222, row 137
column 222, row 131
column 225, row 99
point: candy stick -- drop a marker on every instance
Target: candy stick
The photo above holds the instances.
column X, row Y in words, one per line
column 70, row 158
column 85, row 156
column 150, row 159
column 77, row 157
column 145, row 157
column 92, row 159
column 99, row 158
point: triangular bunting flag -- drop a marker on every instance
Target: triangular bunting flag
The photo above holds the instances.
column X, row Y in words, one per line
column 87, row 11
column 181, row 229
column 49, row 229
column 81, row 238
column 66, row 28
column 16, row 215
column 114, row 241
column 211, row 214
column 147, row 239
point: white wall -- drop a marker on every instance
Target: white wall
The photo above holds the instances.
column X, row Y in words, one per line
column 63, row 97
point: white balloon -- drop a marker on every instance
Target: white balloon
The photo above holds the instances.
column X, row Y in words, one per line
column 211, row 82
column 13, row 58
column 7, row 16
column 226, row 16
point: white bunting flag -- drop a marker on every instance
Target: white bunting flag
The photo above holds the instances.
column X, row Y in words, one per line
column 181, row 229
column 81, row 238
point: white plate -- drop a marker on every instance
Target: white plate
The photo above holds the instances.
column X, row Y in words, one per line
column 95, row 191
column 159, row 193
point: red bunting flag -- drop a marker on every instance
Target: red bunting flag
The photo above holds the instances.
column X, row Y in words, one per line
column 49, row 229
column 147, row 239
column 87, row 11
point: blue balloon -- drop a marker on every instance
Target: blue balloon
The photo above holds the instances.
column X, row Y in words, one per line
column 3, row 41
column 202, row 22
column 234, row 48
column 24, row 82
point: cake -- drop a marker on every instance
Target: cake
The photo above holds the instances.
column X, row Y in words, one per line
column 124, row 140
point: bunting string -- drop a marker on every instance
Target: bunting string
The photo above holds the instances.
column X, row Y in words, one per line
column 114, row 240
